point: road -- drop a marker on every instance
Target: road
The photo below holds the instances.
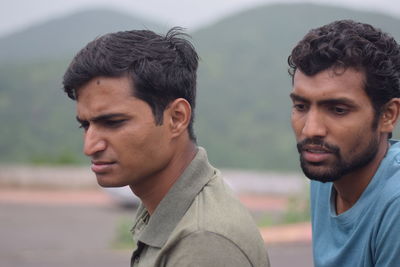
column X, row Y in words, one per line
column 75, row 233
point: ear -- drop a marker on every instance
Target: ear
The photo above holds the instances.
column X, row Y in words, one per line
column 390, row 115
column 180, row 113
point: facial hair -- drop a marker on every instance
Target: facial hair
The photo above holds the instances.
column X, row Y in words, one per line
column 341, row 166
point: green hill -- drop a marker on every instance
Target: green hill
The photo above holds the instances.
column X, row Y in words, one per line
column 38, row 124
column 64, row 36
column 243, row 107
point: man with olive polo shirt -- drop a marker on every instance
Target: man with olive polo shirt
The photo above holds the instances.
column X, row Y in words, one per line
column 135, row 93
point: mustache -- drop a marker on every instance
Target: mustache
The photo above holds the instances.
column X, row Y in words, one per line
column 317, row 142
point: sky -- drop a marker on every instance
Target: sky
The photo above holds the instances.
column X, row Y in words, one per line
column 191, row 14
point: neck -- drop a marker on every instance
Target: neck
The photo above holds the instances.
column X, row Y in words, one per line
column 154, row 188
column 351, row 186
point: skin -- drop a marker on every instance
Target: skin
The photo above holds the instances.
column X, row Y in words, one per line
column 124, row 143
column 333, row 107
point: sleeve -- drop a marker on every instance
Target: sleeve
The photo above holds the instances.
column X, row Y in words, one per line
column 203, row 249
column 387, row 246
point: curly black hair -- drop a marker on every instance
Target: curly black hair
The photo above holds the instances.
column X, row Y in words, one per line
column 348, row 44
column 161, row 68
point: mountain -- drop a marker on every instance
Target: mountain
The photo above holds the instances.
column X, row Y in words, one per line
column 243, row 108
column 66, row 35
column 38, row 124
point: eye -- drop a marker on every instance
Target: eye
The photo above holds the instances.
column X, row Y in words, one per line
column 84, row 125
column 113, row 123
column 339, row 110
column 299, row 107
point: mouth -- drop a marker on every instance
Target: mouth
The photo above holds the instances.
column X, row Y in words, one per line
column 100, row 167
column 318, row 150
column 315, row 154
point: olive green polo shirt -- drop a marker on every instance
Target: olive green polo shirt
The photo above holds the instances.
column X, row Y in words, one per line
column 198, row 223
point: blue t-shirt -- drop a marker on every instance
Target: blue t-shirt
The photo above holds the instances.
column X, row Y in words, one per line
column 368, row 234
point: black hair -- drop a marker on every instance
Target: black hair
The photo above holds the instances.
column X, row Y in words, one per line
column 161, row 68
column 348, row 44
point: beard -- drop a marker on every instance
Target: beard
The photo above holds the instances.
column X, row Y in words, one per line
column 323, row 172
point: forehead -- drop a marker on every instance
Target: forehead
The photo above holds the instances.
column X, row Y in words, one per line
column 105, row 94
column 348, row 83
column 105, row 85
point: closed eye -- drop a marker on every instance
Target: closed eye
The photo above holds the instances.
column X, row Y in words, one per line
column 339, row 110
column 300, row 107
column 113, row 123
column 84, row 125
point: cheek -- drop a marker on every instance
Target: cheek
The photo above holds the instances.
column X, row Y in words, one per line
column 297, row 125
column 127, row 144
column 356, row 138
column 134, row 145
column 145, row 142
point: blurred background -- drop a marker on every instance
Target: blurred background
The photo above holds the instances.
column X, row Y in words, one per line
column 51, row 210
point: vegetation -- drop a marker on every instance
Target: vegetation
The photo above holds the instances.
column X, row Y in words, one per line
column 243, row 109
column 297, row 210
column 123, row 236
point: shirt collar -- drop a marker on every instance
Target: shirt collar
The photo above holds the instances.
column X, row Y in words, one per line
column 175, row 203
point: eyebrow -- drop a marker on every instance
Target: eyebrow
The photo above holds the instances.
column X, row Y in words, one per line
column 333, row 101
column 293, row 96
column 103, row 117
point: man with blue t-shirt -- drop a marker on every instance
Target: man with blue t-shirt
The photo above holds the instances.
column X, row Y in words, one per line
column 346, row 89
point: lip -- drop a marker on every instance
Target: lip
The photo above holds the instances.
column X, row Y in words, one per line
column 315, row 153
column 99, row 167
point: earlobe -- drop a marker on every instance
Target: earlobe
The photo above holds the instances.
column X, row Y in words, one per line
column 180, row 114
column 390, row 115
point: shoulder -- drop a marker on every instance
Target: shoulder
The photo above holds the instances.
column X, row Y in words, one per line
column 218, row 210
column 386, row 246
column 205, row 248
column 387, row 206
column 217, row 219
column 389, row 178
column 391, row 163
column 389, row 209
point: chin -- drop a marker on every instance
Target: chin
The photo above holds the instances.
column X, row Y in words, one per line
column 322, row 179
column 108, row 181
column 321, row 175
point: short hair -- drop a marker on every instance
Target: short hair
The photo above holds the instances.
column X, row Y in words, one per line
column 162, row 68
column 348, row 44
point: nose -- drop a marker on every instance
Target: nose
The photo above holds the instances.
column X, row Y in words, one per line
column 93, row 142
column 314, row 125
